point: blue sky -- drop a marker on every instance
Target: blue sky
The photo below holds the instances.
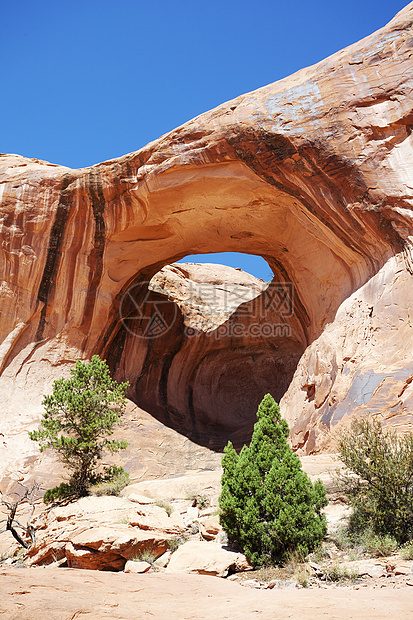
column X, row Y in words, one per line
column 84, row 81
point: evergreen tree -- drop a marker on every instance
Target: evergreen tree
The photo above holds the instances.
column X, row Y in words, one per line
column 269, row 506
column 79, row 418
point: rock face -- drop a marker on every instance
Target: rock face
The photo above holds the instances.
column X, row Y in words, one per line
column 313, row 173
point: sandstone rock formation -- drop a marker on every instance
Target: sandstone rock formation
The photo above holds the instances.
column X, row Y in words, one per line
column 313, row 173
column 34, row 594
column 207, row 558
column 94, row 533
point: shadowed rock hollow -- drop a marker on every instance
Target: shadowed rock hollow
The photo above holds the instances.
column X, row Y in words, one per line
column 313, row 173
column 203, row 347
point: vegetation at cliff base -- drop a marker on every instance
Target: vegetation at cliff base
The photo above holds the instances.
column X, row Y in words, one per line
column 378, row 480
column 269, row 506
column 79, row 419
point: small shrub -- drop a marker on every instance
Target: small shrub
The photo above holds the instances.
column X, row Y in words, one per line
column 60, row 493
column 295, row 558
column 378, row 481
column 407, row 550
column 198, row 500
column 340, row 573
column 354, row 555
column 174, row 543
column 318, row 555
column 301, row 576
column 343, row 538
column 165, row 505
column 112, row 483
column 145, row 556
column 378, row 546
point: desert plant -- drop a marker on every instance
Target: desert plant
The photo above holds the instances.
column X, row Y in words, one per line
column 59, row 493
column 145, row 556
column 268, row 504
column 378, row 480
column 112, row 483
column 79, row 418
column 28, row 497
column 201, row 501
column 165, row 505
column 174, row 543
column 406, row 550
column 343, row 538
column 378, row 545
column 340, row 573
column 301, row 576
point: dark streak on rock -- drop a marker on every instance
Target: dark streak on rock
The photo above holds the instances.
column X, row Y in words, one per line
column 53, row 251
column 265, row 154
column 95, row 258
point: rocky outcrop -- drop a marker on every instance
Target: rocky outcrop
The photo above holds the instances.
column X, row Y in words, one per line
column 313, row 173
column 95, row 533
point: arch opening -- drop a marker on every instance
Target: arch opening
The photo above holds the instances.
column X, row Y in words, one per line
column 201, row 344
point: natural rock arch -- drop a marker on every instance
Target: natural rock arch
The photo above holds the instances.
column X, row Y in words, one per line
column 312, row 172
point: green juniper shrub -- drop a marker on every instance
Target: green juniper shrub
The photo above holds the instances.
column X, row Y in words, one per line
column 378, row 479
column 268, row 504
column 78, row 421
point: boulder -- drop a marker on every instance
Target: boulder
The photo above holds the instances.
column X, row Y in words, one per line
column 163, row 560
column 155, row 518
column 137, row 567
column 91, row 533
column 207, row 558
column 210, row 527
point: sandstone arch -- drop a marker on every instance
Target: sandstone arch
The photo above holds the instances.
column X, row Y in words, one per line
column 313, row 172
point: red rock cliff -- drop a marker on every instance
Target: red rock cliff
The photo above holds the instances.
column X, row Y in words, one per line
column 314, row 173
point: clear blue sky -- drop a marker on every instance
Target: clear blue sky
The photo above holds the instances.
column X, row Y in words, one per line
column 84, row 81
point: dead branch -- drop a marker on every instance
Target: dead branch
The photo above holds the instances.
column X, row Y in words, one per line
column 12, row 523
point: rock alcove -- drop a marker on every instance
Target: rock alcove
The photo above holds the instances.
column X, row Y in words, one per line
column 203, row 345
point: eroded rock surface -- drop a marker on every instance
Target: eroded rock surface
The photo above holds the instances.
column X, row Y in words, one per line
column 313, row 172
column 32, row 594
column 206, row 558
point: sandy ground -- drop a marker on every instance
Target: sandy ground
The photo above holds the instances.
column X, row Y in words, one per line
column 69, row 594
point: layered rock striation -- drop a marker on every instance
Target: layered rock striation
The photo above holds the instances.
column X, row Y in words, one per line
column 313, row 173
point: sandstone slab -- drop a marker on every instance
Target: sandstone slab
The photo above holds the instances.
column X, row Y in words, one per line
column 33, row 594
column 206, row 558
column 210, row 527
column 137, row 567
column 155, row 518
